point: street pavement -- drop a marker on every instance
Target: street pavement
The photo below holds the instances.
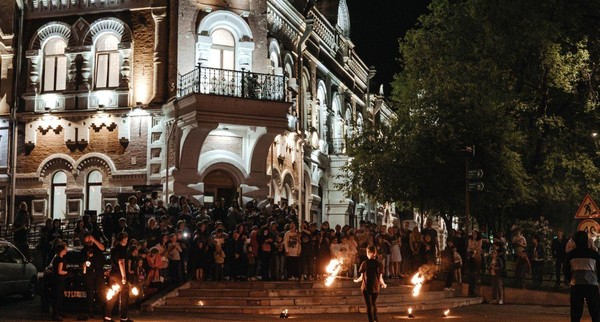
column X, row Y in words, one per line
column 16, row 309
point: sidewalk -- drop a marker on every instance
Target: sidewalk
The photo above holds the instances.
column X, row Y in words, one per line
column 483, row 312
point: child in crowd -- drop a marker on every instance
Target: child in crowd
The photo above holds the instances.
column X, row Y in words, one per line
column 496, row 267
column 219, row 256
column 251, row 262
column 522, row 268
column 279, row 258
column 458, row 263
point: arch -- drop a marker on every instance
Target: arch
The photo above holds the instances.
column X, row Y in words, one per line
column 275, row 54
column 112, row 25
column 221, row 18
column 51, row 29
column 232, row 170
column 55, row 162
column 288, row 65
column 209, row 159
column 97, row 160
column 359, row 123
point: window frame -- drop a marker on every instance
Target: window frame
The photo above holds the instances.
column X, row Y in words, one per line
column 56, row 58
column 108, row 72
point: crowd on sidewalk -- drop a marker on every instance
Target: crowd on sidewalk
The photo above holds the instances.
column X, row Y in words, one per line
column 180, row 240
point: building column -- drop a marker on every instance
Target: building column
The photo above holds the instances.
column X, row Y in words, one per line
column 160, row 41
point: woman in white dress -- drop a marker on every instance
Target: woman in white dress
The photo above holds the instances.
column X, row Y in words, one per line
column 395, row 254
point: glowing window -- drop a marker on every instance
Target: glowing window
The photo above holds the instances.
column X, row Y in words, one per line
column 107, row 62
column 55, row 65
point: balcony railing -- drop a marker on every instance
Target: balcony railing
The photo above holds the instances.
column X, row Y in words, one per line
column 206, row 80
column 338, row 146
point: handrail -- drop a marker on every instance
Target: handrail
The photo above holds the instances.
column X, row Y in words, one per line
column 225, row 82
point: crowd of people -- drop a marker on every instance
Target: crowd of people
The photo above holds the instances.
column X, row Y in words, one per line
column 178, row 241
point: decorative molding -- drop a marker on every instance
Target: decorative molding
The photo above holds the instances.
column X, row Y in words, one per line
column 112, row 25
column 53, row 28
column 58, row 163
column 94, row 161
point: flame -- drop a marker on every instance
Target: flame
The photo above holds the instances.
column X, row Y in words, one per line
column 446, row 312
column 110, row 294
column 285, row 311
column 333, row 269
column 135, row 291
column 410, row 310
column 112, row 291
column 200, row 303
column 418, row 280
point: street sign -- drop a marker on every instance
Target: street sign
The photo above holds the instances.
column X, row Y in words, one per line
column 587, row 209
column 590, row 226
column 475, row 174
column 476, row 186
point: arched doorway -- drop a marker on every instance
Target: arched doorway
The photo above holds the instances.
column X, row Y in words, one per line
column 220, row 185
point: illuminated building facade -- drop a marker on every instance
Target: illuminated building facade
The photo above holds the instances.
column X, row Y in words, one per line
column 234, row 100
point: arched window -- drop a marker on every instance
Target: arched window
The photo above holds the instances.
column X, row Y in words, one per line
column 93, row 191
column 107, row 61
column 55, row 65
column 59, row 195
column 222, row 51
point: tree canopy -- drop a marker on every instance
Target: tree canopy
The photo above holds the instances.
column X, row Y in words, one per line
column 518, row 80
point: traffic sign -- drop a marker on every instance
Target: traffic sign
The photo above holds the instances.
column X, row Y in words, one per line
column 588, row 209
column 476, row 186
column 590, row 226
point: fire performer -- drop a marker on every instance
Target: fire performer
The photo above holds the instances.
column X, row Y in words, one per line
column 118, row 279
column 92, row 268
column 371, row 276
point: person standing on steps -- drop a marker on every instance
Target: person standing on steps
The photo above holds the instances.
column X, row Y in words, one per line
column 581, row 267
column 371, row 276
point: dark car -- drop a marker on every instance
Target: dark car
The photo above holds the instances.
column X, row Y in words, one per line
column 17, row 274
column 75, row 295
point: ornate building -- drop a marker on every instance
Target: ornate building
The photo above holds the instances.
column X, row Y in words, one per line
column 233, row 100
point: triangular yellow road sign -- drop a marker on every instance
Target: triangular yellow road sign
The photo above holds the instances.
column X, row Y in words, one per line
column 588, row 209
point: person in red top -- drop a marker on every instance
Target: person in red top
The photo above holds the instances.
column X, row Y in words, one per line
column 371, row 276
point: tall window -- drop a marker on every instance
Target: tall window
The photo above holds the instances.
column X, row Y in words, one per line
column 107, row 61
column 59, row 195
column 55, row 65
column 94, row 191
column 222, row 51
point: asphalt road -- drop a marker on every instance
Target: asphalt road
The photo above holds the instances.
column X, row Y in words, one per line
column 16, row 309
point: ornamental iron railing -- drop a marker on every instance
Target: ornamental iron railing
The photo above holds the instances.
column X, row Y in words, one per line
column 224, row 82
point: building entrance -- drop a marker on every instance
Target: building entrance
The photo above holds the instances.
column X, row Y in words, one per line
column 219, row 185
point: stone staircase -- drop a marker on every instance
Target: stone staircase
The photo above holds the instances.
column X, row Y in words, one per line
column 304, row 297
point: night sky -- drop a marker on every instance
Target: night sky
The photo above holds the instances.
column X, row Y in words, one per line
column 376, row 26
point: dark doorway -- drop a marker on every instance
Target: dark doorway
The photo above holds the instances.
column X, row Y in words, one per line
column 219, row 185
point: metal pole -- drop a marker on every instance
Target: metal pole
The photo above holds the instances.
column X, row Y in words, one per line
column 13, row 113
column 467, row 201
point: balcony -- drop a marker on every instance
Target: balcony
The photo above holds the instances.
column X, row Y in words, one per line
column 338, row 146
column 233, row 83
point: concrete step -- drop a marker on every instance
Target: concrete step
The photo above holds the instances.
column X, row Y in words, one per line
column 383, row 307
column 274, row 285
column 260, row 292
column 214, row 300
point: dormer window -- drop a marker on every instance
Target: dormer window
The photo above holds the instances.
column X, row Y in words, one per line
column 55, row 65
column 107, row 62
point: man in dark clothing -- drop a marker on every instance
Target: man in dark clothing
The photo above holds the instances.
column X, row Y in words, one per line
column 21, row 229
column 371, row 276
column 559, row 245
column 118, row 279
column 582, row 265
column 93, row 268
